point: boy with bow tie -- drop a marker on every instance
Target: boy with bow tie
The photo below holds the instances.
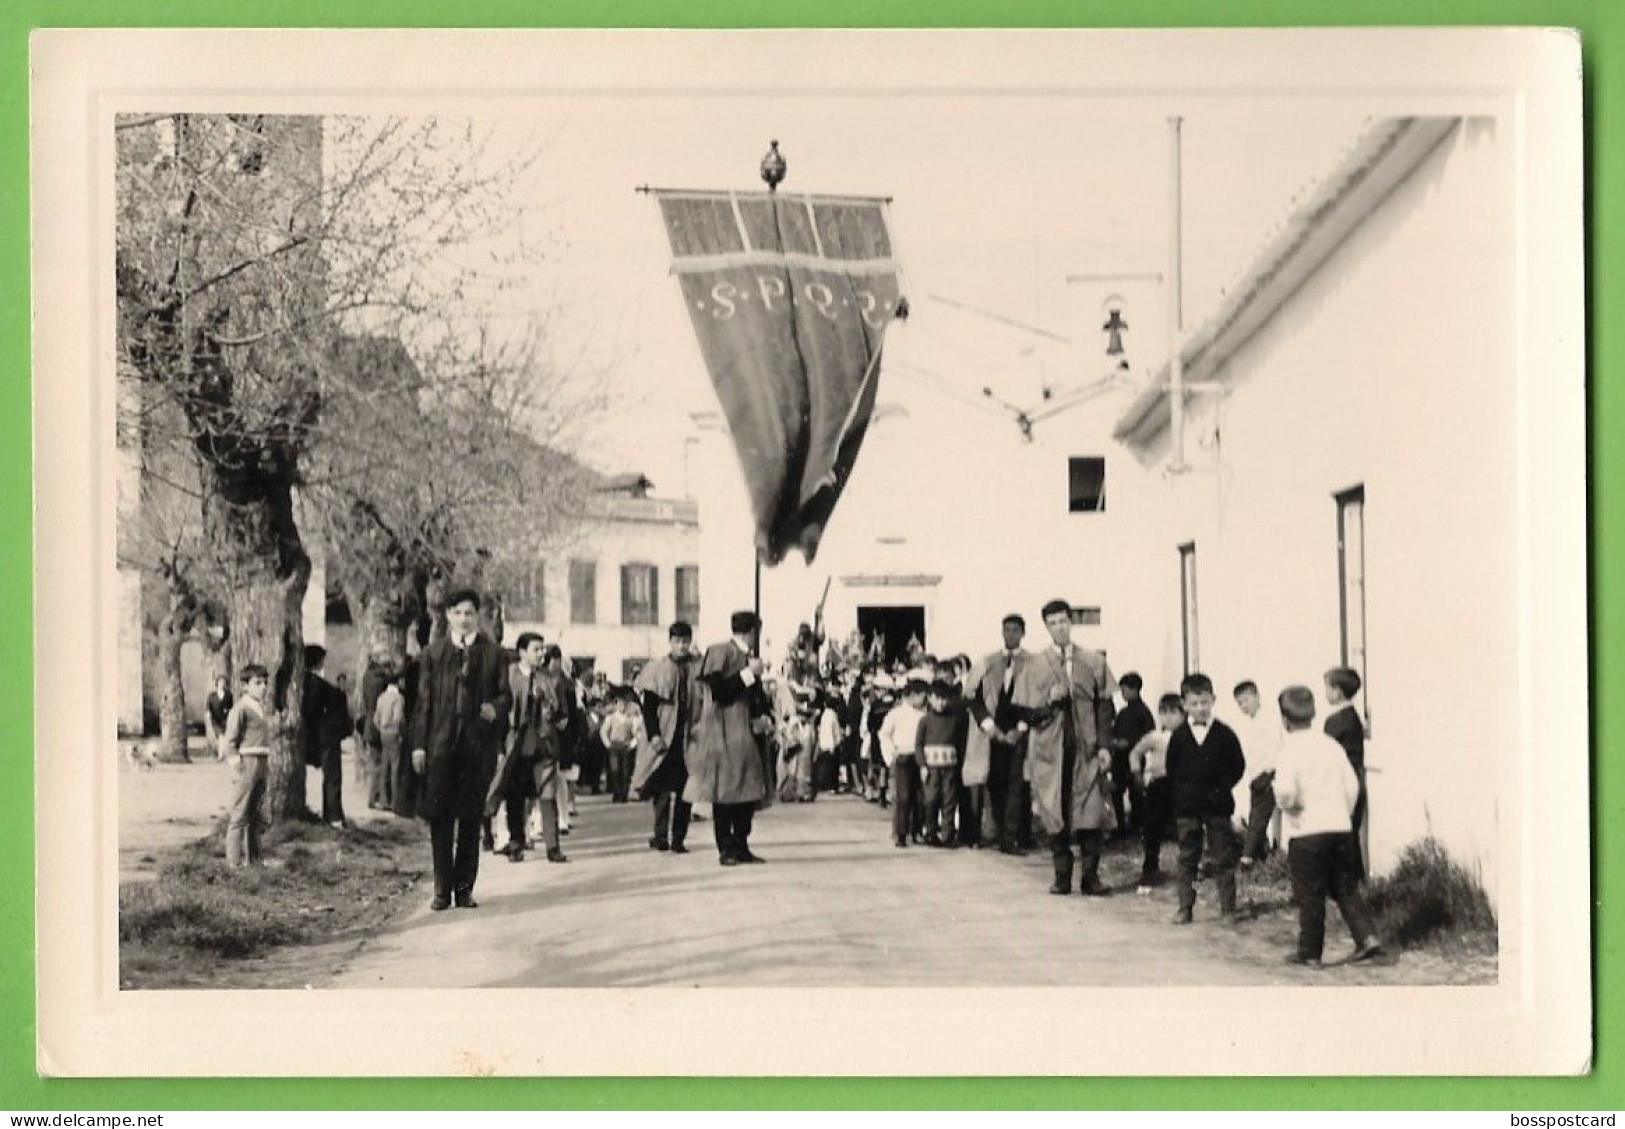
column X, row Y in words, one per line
column 1205, row 763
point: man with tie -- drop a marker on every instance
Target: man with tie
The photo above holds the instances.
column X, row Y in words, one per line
column 1068, row 703
column 462, row 705
column 996, row 742
column 726, row 769
column 1205, row 763
column 667, row 691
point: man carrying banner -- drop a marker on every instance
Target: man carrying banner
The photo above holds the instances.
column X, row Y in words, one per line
column 667, row 692
column 726, row 768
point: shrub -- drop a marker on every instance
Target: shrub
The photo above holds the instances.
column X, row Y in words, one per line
column 1429, row 894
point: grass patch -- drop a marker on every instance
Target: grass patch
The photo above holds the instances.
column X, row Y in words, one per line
column 198, row 922
column 1429, row 896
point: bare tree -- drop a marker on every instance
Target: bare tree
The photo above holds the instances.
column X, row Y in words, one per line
column 248, row 247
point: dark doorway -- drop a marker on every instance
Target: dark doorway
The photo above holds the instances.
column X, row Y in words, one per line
column 896, row 627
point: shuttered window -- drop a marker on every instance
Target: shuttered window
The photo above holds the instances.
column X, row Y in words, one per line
column 583, row 591
column 640, row 595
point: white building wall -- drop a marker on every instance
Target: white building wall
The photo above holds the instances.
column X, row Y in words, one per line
column 1391, row 367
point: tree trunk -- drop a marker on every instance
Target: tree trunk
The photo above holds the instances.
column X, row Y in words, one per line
column 382, row 624
column 172, row 703
column 267, row 572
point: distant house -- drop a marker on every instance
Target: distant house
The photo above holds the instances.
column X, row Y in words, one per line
column 609, row 593
column 1347, row 489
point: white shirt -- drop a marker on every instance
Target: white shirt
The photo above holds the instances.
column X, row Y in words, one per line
column 899, row 730
column 829, row 731
column 1260, row 744
column 1314, row 785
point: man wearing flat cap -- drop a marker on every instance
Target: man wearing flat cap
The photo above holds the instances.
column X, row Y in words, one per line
column 726, row 769
column 667, row 691
column 463, row 701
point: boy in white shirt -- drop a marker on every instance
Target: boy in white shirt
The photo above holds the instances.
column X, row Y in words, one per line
column 899, row 740
column 1260, row 740
column 1316, row 789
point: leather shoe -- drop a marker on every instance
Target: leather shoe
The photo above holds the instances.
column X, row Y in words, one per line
column 1060, row 888
column 556, row 856
column 440, row 902
column 728, row 860
column 1307, row 962
column 678, row 849
column 1097, row 890
column 516, row 856
column 1011, row 849
column 1367, row 951
column 749, row 857
column 659, row 845
column 466, row 901
column 1183, row 917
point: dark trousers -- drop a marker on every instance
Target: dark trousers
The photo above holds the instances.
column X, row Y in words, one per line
column 941, row 802
column 1259, row 814
column 456, row 847
column 1358, row 820
column 1089, row 843
column 905, row 790
column 1125, row 783
column 671, row 818
column 332, row 784
column 1009, row 797
column 1156, row 805
column 1221, row 849
column 971, row 803
column 1325, row 866
column 620, row 774
column 731, row 822
column 520, row 782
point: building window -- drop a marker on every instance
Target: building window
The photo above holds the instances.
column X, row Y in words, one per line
column 1351, row 585
column 630, row 668
column 583, row 591
column 688, row 594
column 1086, row 484
column 640, row 595
column 529, row 601
column 581, row 667
column 1187, row 605
column 1085, row 617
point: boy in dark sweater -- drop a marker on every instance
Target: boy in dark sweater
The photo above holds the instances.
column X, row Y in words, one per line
column 942, row 745
column 1133, row 721
column 1344, row 726
column 1205, row 763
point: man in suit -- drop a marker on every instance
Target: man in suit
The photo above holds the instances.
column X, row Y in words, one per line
column 1069, row 704
column 726, row 769
column 462, row 704
column 530, row 765
column 667, row 693
column 996, row 743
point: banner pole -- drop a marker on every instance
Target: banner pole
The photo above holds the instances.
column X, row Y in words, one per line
column 756, row 647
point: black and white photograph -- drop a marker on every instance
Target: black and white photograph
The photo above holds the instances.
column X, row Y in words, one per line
column 815, row 540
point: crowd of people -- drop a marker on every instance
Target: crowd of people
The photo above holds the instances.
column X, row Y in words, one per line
column 998, row 754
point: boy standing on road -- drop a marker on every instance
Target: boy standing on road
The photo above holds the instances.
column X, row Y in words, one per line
column 1204, row 763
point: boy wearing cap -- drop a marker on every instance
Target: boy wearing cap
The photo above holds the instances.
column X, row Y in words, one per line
column 941, row 747
column 899, row 742
column 1204, row 763
column 1317, row 790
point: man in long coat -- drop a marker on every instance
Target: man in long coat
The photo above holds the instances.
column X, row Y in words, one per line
column 996, row 743
column 669, row 693
column 726, row 768
column 462, row 704
column 1068, row 703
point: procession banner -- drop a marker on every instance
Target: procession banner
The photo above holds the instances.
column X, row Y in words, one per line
column 790, row 296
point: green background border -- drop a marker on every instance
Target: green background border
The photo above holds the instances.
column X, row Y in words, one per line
column 1602, row 23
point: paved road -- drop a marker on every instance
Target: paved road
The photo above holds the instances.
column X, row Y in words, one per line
column 837, row 904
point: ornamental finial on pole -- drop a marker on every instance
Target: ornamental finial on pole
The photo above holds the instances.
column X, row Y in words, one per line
column 773, row 167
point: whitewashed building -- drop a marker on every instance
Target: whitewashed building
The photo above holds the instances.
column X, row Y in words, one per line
column 608, row 594
column 1348, row 490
